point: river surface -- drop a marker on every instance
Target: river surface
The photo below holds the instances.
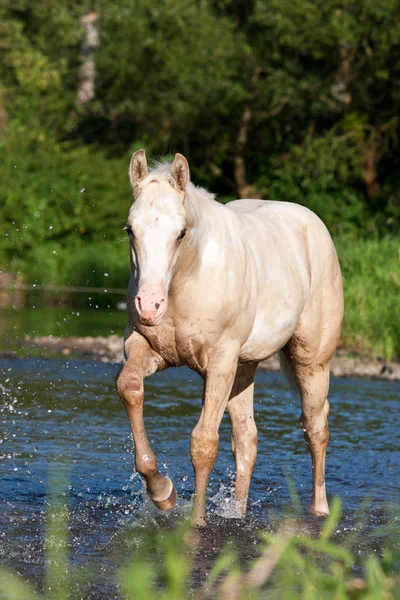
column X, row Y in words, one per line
column 69, row 408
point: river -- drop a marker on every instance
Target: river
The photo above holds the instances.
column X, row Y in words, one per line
column 69, row 409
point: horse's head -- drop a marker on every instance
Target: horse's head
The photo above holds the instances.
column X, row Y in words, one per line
column 157, row 225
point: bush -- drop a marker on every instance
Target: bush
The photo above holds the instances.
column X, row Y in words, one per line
column 55, row 198
column 100, row 265
column 324, row 174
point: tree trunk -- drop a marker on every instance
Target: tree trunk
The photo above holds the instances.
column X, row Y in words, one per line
column 373, row 149
column 340, row 87
column 370, row 173
column 87, row 73
column 242, row 186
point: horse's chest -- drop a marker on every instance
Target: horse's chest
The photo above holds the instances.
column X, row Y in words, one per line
column 177, row 346
column 163, row 342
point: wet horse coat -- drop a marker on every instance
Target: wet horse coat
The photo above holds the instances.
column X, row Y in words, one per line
column 219, row 289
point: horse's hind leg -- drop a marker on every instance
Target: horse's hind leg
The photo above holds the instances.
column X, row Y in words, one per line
column 312, row 381
column 244, row 432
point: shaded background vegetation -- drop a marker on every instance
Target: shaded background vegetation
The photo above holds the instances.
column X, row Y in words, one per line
column 284, row 99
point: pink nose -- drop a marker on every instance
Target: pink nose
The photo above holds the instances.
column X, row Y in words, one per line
column 151, row 304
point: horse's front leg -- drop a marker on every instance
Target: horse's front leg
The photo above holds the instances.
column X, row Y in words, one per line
column 218, row 382
column 141, row 362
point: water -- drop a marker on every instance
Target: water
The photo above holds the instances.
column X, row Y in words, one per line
column 58, row 408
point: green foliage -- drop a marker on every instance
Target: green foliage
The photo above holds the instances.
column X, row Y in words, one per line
column 317, row 174
column 317, row 71
column 371, row 275
column 178, row 74
column 38, row 61
column 54, row 199
column 99, row 265
column 103, row 265
column 168, row 570
column 177, row 64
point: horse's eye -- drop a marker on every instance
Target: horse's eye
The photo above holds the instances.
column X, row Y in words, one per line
column 182, row 234
column 128, row 230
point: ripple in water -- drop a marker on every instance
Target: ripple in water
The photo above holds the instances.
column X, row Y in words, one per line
column 69, row 409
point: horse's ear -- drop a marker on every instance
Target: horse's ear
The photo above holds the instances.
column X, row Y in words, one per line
column 180, row 172
column 138, row 168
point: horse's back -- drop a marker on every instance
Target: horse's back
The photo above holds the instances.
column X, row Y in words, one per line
column 290, row 230
column 296, row 270
column 277, row 213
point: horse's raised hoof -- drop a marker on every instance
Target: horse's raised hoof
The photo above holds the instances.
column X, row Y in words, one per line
column 169, row 501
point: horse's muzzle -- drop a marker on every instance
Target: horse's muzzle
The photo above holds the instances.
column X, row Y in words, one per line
column 150, row 320
column 151, row 304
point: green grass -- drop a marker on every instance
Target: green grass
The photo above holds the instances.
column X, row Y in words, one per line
column 371, row 276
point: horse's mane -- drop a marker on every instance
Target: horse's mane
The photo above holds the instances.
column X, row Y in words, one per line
column 162, row 171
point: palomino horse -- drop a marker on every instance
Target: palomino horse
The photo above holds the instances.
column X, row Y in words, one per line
column 219, row 289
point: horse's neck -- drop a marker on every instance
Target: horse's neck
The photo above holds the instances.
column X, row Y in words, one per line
column 200, row 204
column 213, row 228
column 209, row 216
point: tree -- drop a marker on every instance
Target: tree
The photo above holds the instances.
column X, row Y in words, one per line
column 38, row 62
column 169, row 77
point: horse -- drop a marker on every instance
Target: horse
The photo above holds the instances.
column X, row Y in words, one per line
column 220, row 288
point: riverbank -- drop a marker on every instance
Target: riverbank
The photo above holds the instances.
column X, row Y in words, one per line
column 109, row 349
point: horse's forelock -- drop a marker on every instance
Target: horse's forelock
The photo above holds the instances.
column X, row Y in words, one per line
column 161, row 170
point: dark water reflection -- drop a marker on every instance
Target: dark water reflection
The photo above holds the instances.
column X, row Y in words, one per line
column 69, row 409
column 57, row 321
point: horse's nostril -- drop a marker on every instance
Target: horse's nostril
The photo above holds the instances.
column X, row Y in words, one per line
column 157, row 305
